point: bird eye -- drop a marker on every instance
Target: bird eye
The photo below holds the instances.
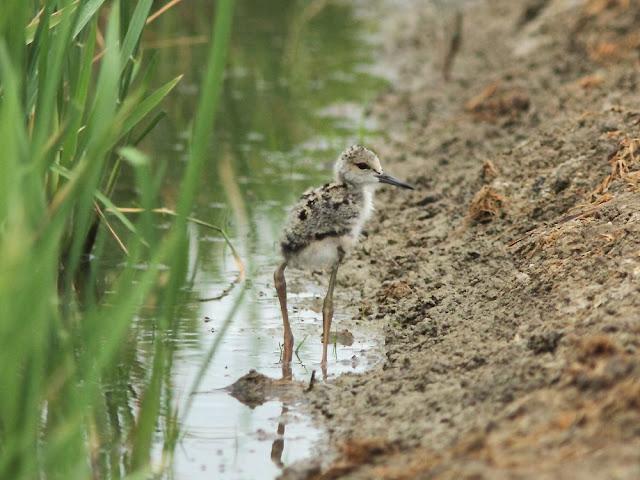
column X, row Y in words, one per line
column 362, row 166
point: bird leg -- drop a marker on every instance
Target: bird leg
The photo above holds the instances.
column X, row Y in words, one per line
column 277, row 447
column 281, row 288
column 327, row 308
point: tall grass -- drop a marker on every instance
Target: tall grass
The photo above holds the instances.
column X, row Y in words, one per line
column 73, row 107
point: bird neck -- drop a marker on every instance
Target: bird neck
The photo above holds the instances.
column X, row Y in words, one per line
column 359, row 189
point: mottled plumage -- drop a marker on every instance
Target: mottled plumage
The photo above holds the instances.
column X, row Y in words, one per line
column 325, row 219
column 324, row 225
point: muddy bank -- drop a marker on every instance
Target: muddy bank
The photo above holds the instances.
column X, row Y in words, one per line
column 509, row 282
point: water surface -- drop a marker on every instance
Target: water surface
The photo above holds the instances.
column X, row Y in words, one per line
column 298, row 80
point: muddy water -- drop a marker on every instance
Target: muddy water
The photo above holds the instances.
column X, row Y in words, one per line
column 299, row 76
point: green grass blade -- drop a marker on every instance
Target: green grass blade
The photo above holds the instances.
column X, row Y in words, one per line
column 147, row 105
column 54, row 59
column 150, row 409
column 149, row 127
column 55, row 19
column 87, row 13
column 137, row 112
column 102, row 198
column 99, row 132
column 12, row 29
column 137, row 23
column 208, row 103
column 80, row 96
column 14, row 139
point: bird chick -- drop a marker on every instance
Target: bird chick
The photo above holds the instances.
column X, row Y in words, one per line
column 325, row 224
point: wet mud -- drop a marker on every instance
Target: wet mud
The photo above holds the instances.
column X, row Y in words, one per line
column 255, row 389
column 508, row 283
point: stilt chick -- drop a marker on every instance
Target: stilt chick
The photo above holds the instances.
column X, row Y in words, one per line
column 324, row 225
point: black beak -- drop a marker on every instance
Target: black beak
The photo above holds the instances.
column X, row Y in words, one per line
column 384, row 178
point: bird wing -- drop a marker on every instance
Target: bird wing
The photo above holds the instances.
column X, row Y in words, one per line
column 328, row 211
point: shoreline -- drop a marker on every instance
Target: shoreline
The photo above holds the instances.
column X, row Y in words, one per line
column 508, row 282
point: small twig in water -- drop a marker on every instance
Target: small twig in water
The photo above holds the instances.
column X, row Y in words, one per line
column 110, row 228
column 300, row 345
column 162, row 10
column 225, row 292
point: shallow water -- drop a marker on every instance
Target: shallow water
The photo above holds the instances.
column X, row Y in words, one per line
column 299, row 77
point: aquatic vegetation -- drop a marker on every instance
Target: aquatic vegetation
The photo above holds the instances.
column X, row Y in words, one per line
column 75, row 101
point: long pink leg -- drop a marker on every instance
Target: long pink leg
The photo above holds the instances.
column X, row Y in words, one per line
column 281, row 288
column 327, row 313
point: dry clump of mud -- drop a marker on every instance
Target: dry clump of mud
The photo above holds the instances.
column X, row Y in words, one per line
column 509, row 282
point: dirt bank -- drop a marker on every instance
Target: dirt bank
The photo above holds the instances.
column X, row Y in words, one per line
column 509, row 281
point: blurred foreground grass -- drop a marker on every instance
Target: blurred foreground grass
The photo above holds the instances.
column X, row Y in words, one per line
column 75, row 100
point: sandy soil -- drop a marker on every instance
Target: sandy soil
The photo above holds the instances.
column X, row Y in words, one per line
column 509, row 282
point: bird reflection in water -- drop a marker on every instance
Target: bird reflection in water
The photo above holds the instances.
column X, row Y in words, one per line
column 277, row 447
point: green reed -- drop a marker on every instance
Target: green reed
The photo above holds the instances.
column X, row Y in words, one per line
column 73, row 107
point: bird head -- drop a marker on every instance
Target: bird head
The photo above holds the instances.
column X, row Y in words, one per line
column 359, row 166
